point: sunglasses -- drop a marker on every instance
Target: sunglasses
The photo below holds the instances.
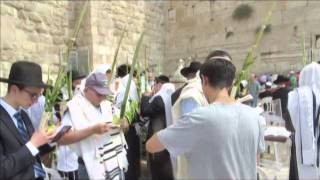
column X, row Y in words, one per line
column 33, row 95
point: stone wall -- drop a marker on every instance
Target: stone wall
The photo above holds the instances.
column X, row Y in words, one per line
column 38, row 31
column 197, row 27
column 33, row 31
column 109, row 18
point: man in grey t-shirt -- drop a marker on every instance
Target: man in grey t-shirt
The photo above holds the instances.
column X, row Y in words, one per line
column 220, row 141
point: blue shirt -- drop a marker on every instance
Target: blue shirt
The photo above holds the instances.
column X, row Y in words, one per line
column 188, row 105
column 11, row 111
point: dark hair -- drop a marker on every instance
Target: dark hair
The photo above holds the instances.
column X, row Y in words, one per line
column 220, row 72
column 162, row 79
column 108, row 71
column 20, row 86
column 218, row 53
column 123, row 70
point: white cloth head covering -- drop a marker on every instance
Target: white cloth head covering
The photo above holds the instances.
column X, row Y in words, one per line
column 310, row 76
column 165, row 93
column 102, row 68
column 300, row 106
column 244, row 83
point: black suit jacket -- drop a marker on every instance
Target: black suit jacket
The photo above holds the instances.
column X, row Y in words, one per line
column 156, row 113
column 176, row 94
column 16, row 161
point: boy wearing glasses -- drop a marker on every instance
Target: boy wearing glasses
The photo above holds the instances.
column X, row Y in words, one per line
column 20, row 144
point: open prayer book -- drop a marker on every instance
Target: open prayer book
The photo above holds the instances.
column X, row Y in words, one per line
column 245, row 98
column 61, row 130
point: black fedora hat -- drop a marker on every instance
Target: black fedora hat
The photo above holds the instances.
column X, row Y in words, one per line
column 193, row 68
column 281, row 79
column 75, row 75
column 25, row 73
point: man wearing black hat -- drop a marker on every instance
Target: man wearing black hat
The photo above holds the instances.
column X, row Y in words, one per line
column 156, row 108
column 281, row 93
column 20, row 143
column 189, row 73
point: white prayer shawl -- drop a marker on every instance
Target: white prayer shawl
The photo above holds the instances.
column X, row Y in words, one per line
column 165, row 93
column 133, row 94
column 300, row 106
column 192, row 90
column 104, row 155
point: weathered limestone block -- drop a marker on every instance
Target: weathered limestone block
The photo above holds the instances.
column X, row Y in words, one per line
column 30, row 5
column 57, row 32
column 35, row 17
column 29, row 46
column 57, row 40
column 8, row 10
column 22, row 15
column 16, row 4
column 7, row 46
column 41, row 28
column 45, row 38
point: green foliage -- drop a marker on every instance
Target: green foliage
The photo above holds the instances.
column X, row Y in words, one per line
column 242, row 12
column 304, row 53
column 250, row 58
column 52, row 95
column 132, row 109
column 228, row 34
column 115, row 57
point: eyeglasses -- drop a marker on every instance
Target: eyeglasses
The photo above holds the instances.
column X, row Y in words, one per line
column 33, row 95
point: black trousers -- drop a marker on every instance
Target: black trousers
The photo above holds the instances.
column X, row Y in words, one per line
column 293, row 171
column 133, row 154
column 73, row 175
column 160, row 166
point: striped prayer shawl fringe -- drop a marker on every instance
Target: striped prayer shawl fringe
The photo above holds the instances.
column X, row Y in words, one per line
column 113, row 157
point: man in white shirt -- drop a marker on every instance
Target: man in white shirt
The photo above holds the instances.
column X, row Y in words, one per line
column 219, row 141
column 67, row 160
column 99, row 143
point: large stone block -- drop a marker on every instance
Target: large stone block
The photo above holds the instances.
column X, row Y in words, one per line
column 16, row 4
column 22, row 15
column 35, row 17
column 30, row 5
column 41, row 28
column 8, row 10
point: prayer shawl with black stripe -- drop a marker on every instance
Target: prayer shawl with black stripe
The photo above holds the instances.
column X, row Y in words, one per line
column 104, row 155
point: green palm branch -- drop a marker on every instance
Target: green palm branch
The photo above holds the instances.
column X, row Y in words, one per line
column 250, row 58
column 52, row 95
column 134, row 62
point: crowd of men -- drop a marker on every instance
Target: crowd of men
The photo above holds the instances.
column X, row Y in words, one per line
column 197, row 131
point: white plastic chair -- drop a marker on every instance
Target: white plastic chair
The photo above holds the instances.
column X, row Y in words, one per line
column 266, row 104
column 273, row 116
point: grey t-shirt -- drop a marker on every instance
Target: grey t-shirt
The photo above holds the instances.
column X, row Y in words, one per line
column 220, row 141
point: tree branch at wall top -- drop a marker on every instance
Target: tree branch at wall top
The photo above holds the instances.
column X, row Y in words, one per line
column 242, row 12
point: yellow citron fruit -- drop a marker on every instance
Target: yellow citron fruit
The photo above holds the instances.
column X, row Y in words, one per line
column 51, row 129
column 116, row 120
